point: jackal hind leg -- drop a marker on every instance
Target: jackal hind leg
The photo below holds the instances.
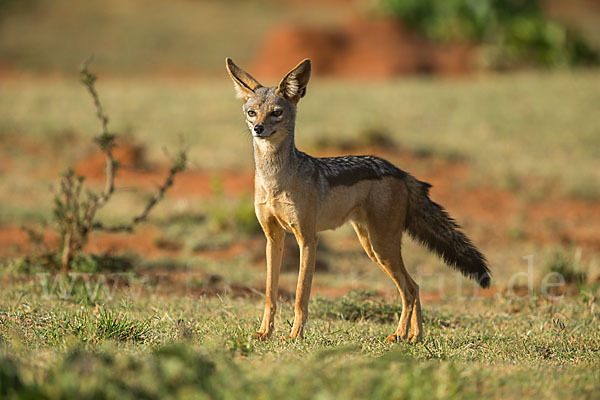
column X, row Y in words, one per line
column 384, row 250
column 416, row 323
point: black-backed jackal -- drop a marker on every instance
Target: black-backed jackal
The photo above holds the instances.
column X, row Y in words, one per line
column 297, row 193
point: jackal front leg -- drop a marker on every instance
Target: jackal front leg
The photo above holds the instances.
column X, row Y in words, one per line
column 275, row 236
column 308, row 251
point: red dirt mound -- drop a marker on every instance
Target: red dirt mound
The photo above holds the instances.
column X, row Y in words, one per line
column 361, row 48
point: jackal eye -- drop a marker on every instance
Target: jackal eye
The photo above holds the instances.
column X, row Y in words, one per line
column 251, row 113
column 277, row 113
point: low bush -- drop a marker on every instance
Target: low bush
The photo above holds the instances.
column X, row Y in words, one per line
column 514, row 32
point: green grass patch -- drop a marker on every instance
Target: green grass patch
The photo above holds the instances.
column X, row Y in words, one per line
column 142, row 345
column 180, row 371
column 357, row 305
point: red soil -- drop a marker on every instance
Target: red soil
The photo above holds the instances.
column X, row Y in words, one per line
column 360, row 48
column 136, row 171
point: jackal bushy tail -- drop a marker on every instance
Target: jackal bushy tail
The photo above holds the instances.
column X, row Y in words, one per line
column 431, row 225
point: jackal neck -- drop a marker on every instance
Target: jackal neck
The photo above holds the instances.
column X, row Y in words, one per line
column 272, row 157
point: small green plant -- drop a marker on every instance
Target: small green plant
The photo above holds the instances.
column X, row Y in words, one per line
column 370, row 138
column 116, row 326
column 239, row 216
column 516, row 232
column 75, row 208
column 245, row 217
column 567, row 267
column 241, row 343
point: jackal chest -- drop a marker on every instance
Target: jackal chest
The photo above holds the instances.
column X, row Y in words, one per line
column 279, row 205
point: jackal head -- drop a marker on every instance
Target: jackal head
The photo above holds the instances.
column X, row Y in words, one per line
column 270, row 111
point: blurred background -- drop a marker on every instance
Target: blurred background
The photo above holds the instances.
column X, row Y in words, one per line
column 494, row 102
column 350, row 38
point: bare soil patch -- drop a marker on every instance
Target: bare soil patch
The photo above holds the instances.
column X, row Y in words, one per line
column 363, row 48
column 136, row 171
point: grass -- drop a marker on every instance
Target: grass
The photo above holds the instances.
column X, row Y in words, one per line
column 566, row 267
column 180, row 346
column 357, row 306
column 180, row 373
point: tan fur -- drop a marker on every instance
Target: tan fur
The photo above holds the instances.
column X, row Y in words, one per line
column 288, row 198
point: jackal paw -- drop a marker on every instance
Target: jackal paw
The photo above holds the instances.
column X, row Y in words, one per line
column 395, row 338
column 292, row 337
column 413, row 339
column 262, row 336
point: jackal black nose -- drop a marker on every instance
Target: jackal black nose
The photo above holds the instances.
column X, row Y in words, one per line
column 258, row 129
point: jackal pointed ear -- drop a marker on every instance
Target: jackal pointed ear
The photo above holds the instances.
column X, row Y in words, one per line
column 243, row 82
column 293, row 85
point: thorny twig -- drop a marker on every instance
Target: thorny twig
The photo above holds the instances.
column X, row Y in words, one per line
column 75, row 215
column 106, row 142
column 179, row 164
